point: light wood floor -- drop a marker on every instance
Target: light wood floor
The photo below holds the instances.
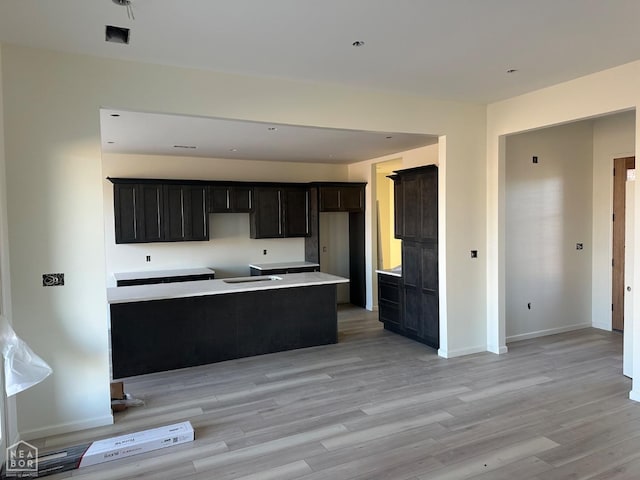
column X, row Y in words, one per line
column 379, row 406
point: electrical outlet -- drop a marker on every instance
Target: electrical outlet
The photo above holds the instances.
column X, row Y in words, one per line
column 534, row 159
column 474, row 253
column 264, row 252
column 148, row 258
column 52, row 279
column 579, row 246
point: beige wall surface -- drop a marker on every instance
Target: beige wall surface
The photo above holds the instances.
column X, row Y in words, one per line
column 548, row 211
column 603, row 93
column 55, row 199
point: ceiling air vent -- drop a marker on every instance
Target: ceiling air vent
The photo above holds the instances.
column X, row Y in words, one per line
column 117, row 34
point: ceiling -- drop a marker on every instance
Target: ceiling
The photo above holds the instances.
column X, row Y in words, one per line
column 162, row 134
column 456, row 50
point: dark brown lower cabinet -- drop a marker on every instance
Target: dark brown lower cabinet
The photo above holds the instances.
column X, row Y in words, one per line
column 159, row 335
column 389, row 300
column 409, row 305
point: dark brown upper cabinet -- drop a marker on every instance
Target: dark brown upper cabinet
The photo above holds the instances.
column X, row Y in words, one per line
column 186, row 216
column 342, row 198
column 156, row 212
column 230, row 199
column 280, row 212
column 416, row 211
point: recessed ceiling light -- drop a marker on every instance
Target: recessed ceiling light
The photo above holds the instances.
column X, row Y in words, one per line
column 111, row 142
column 512, row 70
column 115, row 114
column 185, row 146
column 358, row 43
column 389, row 136
column 272, row 129
column 233, row 149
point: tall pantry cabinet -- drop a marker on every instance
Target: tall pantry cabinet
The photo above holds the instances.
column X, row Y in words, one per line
column 416, row 223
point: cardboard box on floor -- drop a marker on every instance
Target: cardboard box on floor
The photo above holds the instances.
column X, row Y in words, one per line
column 114, row 448
column 135, row 443
column 117, row 393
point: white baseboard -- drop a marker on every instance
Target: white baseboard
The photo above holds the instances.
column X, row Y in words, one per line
column 602, row 326
column 444, row 353
column 497, row 350
column 549, row 331
column 634, row 395
column 63, row 428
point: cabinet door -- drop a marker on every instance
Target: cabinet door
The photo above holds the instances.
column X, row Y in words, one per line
column 185, row 213
column 342, row 198
column 174, row 213
column 149, row 213
column 296, row 218
column 411, row 213
column 412, row 282
column 430, row 330
column 219, row 199
column 138, row 212
column 197, row 217
column 241, row 199
column 429, row 205
column 125, row 198
column 267, row 216
column 352, row 198
column 330, row 199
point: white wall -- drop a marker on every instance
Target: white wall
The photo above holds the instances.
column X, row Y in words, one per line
column 56, row 187
column 334, row 248
column 613, row 137
column 610, row 91
column 548, row 211
column 229, row 249
column 8, row 433
column 461, row 220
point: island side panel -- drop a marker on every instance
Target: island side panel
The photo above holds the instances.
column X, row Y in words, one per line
column 162, row 335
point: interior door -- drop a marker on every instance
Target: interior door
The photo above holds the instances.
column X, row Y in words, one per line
column 620, row 167
column 627, row 356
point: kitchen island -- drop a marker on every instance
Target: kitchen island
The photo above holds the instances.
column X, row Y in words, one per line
column 167, row 326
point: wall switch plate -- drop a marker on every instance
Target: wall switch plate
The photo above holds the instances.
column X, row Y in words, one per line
column 534, row 159
column 579, row 246
column 52, row 279
column 474, row 253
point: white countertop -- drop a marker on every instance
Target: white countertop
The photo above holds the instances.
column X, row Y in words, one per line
column 394, row 272
column 163, row 291
column 181, row 272
column 271, row 266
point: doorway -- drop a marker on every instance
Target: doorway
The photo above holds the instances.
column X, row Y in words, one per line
column 621, row 169
column 389, row 248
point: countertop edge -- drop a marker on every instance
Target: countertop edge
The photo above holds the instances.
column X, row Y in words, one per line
column 167, row 291
column 390, row 273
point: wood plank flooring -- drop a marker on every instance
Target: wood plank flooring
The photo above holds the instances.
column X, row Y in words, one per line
column 379, row 406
